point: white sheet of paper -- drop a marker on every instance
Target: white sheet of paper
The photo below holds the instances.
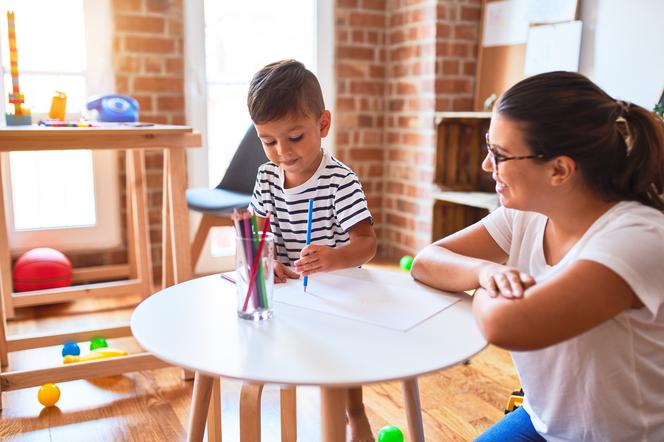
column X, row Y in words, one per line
column 551, row 11
column 390, row 302
column 553, row 48
column 505, row 23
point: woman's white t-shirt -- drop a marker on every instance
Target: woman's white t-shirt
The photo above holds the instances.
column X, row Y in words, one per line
column 606, row 384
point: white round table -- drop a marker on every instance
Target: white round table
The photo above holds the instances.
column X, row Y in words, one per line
column 194, row 325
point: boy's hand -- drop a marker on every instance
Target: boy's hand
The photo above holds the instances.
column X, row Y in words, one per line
column 282, row 272
column 315, row 258
column 508, row 282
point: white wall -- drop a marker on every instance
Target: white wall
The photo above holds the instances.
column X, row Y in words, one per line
column 622, row 48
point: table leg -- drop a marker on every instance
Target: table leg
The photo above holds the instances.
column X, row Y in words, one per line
column 179, row 215
column 333, row 413
column 200, row 401
column 250, row 412
column 214, row 413
column 288, row 405
column 411, row 395
column 6, row 283
column 167, row 278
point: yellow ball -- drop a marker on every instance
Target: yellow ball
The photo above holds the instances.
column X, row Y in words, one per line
column 48, row 395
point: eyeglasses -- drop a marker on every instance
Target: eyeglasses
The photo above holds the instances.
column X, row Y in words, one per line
column 497, row 157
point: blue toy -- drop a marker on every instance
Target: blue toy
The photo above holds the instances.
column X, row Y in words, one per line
column 114, row 108
column 71, row 349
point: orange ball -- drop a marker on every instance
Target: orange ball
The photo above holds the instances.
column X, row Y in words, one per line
column 48, row 395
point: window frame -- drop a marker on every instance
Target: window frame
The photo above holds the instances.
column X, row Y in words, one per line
column 196, row 100
column 99, row 76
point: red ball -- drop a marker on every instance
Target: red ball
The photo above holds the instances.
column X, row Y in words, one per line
column 42, row 268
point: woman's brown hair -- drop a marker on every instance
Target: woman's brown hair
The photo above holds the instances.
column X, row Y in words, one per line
column 617, row 146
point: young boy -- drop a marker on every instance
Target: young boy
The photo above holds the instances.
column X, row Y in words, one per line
column 286, row 105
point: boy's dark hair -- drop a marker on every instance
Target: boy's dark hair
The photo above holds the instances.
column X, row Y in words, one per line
column 617, row 146
column 282, row 88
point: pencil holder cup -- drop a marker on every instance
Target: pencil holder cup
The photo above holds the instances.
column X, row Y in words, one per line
column 254, row 268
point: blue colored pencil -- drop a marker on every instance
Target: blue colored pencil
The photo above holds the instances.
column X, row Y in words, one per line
column 309, row 216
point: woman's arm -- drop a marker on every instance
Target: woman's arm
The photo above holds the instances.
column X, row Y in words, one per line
column 581, row 297
column 454, row 263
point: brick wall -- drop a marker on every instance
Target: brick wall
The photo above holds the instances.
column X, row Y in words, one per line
column 397, row 62
column 427, row 54
column 148, row 45
column 360, row 107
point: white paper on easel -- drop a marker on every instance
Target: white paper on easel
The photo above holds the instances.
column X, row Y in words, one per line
column 505, row 23
column 387, row 303
column 553, row 48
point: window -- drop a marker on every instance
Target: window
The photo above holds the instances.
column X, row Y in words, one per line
column 240, row 38
column 63, row 199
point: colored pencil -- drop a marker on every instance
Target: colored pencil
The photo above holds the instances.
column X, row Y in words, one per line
column 227, row 278
column 309, row 216
column 257, row 265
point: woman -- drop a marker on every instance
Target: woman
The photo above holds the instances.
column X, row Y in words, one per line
column 569, row 269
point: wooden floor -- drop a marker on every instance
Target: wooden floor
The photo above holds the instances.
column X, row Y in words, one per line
column 457, row 403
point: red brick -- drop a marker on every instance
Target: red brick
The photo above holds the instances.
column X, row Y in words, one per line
column 346, row 70
column 175, row 27
column 158, row 84
column 345, row 104
column 174, row 103
column 467, row 32
column 357, row 36
column 174, row 66
column 367, row 154
column 406, row 88
column 128, row 64
column 126, row 6
column 377, row 5
column 149, row 44
column 355, row 53
column 347, row 3
column 450, row 67
column 153, row 65
column 471, row 13
column 369, row 20
column 139, row 24
column 366, row 87
column 144, row 102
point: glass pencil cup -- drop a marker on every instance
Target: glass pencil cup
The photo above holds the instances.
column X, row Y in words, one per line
column 254, row 269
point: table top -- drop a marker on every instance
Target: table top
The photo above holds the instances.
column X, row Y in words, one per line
column 194, row 325
column 34, row 137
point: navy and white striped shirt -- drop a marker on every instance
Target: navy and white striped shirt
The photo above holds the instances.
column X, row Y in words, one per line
column 339, row 204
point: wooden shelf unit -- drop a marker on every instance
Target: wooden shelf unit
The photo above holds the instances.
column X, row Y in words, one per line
column 176, row 261
column 465, row 193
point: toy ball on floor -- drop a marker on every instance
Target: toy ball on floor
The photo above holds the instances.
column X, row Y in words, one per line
column 98, row 342
column 406, row 262
column 48, row 395
column 42, row 268
column 390, row 433
column 71, row 349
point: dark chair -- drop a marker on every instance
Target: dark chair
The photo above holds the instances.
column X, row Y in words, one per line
column 233, row 192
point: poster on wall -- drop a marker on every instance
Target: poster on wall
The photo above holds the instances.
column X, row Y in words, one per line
column 553, row 48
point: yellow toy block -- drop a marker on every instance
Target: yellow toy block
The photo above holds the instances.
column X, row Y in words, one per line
column 97, row 353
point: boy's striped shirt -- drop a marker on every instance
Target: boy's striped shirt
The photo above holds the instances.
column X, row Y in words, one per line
column 339, row 204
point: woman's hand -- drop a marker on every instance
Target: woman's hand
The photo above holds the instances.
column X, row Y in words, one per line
column 282, row 272
column 508, row 282
column 316, row 258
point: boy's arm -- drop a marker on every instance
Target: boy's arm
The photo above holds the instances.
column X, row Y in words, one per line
column 319, row 258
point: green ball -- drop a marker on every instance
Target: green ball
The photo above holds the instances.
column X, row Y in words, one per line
column 390, row 433
column 98, row 343
column 406, row 262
